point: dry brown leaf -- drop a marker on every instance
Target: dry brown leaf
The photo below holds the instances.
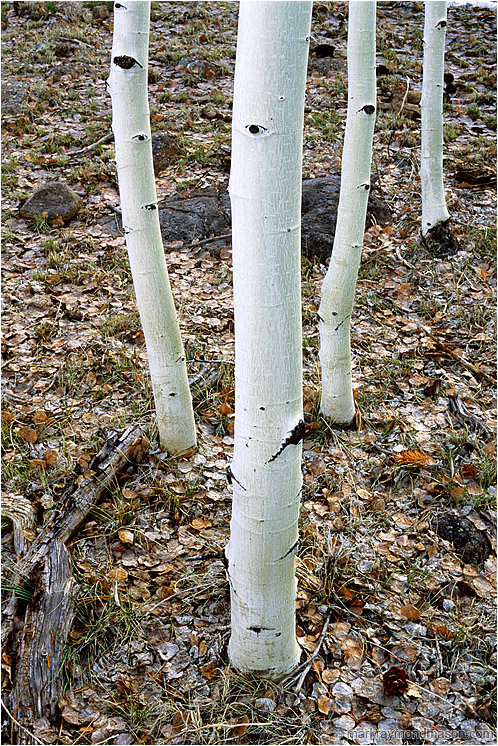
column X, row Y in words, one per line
column 126, row 536
column 325, row 704
column 209, row 670
column 442, row 631
column 242, row 726
column 118, row 573
column 316, row 466
column 50, row 456
column 330, row 676
column 39, row 416
column 410, row 612
column 28, row 434
column 469, row 471
column 200, row 523
column 353, row 653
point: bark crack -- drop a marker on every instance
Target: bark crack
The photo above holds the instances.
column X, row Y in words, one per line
column 293, row 548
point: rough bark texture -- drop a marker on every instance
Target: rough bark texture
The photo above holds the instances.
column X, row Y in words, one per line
column 40, row 647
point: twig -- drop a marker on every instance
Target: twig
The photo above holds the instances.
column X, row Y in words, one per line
column 195, row 244
column 403, row 261
column 462, row 360
column 303, row 670
column 107, row 138
column 73, row 41
column 405, row 96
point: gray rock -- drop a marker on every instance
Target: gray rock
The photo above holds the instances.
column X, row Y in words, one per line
column 13, row 94
column 53, row 198
column 207, row 213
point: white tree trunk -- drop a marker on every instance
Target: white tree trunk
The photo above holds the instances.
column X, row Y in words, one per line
column 131, row 126
column 265, row 192
column 339, row 286
column 434, row 209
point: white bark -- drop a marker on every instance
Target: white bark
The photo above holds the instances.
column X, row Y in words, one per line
column 434, row 209
column 131, row 126
column 339, row 286
column 265, row 192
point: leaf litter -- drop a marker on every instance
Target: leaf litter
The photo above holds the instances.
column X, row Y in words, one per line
column 396, row 569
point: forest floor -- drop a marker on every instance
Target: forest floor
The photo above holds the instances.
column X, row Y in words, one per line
column 397, row 563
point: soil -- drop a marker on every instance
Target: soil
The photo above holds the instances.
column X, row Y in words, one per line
column 396, row 567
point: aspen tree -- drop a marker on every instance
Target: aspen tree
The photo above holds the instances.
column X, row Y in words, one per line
column 436, row 234
column 265, row 193
column 130, row 122
column 339, row 286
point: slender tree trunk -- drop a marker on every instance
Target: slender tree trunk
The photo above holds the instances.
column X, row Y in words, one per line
column 265, row 192
column 131, row 126
column 435, row 216
column 339, row 286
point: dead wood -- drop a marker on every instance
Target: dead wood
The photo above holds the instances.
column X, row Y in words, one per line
column 40, row 648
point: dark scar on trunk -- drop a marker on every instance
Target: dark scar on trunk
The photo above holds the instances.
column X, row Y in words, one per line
column 230, row 477
column 293, row 548
column 125, row 62
column 297, row 434
column 257, row 629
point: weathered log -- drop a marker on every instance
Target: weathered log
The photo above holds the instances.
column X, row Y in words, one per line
column 39, row 649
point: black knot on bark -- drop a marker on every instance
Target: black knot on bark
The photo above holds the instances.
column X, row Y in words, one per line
column 125, row 62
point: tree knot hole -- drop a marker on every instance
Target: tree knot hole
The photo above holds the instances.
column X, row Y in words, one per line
column 256, row 129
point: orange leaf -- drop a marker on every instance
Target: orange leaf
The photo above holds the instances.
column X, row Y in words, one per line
column 209, row 670
column 414, row 459
column 39, row 416
column 442, row 631
column 225, row 408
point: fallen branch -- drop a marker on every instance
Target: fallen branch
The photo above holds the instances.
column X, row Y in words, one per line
column 470, row 366
column 107, row 138
column 46, row 570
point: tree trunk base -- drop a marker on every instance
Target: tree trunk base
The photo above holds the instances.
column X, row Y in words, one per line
column 440, row 241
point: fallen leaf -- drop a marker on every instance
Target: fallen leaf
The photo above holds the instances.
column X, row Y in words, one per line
column 28, row 434
column 413, row 459
column 200, row 523
column 325, row 704
column 50, row 456
column 242, row 726
column 469, row 471
column 209, row 670
column 126, row 536
column 410, row 612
